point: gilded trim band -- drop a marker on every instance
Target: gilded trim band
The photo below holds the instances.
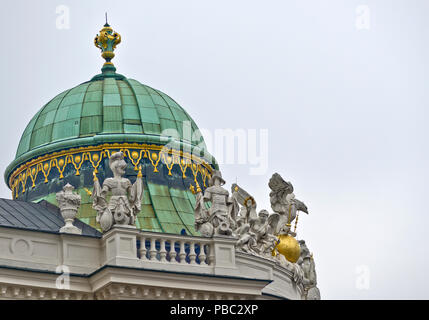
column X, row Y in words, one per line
column 95, row 154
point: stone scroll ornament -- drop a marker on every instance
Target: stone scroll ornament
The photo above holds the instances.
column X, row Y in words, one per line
column 125, row 200
column 220, row 218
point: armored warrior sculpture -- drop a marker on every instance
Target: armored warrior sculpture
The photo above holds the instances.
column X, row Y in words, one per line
column 125, row 201
column 220, row 218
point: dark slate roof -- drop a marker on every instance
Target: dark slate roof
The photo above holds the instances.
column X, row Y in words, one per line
column 42, row 216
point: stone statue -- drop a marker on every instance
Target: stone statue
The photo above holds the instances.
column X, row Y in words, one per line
column 125, row 200
column 220, row 218
column 255, row 230
column 68, row 203
column 201, row 214
column 284, row 203
column 257, row 235
column 306, row 262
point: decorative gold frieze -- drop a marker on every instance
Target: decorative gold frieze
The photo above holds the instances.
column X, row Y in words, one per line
column 95, row 154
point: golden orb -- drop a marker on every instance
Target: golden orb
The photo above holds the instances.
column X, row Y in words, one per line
column 77, row 159
column 61, row 162
column 289, row 247
column 95, row 157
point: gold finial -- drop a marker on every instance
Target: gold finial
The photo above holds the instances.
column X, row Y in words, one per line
column 88, row 191
column 198, row 186
column 95, row 176
column 107, row 41
column 139, row 175
column 191, row 187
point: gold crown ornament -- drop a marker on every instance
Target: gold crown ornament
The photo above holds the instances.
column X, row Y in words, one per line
column 107, row 41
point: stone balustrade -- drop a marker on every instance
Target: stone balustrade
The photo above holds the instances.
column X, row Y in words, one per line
column 172, row 248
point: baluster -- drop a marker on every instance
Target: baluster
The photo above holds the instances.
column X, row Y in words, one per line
column 143, row 250
column 162, row 251
column 210, row 247
column 172, row 252
column 202, row 255
column 152, row 250
column 192, row 254
column 182, row 253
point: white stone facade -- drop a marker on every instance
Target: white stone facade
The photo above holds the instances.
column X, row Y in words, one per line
column 41, row 265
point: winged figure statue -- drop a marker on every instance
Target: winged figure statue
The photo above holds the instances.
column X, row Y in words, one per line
column 284, row 203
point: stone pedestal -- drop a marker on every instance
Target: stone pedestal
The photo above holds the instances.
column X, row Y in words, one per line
column 120, row 245
column 224, row 252
column 69, row 214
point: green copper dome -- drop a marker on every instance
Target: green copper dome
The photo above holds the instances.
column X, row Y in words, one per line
column 106, row 107
column 112, row 110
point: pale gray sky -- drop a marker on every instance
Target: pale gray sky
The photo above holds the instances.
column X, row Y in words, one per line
column 346, row 108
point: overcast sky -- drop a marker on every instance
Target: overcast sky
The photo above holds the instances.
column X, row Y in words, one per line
column 341, row 88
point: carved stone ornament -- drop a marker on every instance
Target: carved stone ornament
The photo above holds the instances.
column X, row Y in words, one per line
column 69, row 204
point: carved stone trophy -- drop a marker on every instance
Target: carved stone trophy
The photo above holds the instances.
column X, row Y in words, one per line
column 125, row 200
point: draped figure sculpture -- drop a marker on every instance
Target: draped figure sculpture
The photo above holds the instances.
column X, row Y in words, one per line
column 125, row 200
column 255, row 231
column 306, row 262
